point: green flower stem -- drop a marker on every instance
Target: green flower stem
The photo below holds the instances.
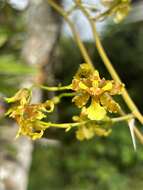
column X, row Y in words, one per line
column 90, row 6
column 57, row 99
column 71, row 9
column 76, row 35
column 122, row 118
column 66, row 95
column 109, row 65
column 55, row 88
column 62, row 125
column 107, row 12
column 70, row 125
column 102, row 15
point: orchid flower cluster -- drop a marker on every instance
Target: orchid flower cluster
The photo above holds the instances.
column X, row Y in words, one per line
column 90, row 93
column 28, row 116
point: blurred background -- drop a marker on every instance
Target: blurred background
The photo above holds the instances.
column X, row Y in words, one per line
column 36, row 46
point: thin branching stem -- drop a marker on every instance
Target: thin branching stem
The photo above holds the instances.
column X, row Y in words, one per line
column 67, row 95
column 79, row 42
column 123, row 118
column 55, row 88
column 67, row 125
column 62, row 125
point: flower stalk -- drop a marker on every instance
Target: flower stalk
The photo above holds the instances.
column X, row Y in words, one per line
column 76, row 35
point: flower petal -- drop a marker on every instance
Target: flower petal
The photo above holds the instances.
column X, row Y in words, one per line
column 95, row 111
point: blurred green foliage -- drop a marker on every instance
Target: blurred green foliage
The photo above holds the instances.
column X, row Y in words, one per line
column 9, row 65
column 96, row 164
column 12, row 35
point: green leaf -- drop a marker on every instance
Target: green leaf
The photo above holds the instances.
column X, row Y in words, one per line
column 3, row 39
column 9, row 65
column 3, row 36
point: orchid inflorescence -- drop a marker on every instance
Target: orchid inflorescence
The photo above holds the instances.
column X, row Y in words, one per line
column 91, row 94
